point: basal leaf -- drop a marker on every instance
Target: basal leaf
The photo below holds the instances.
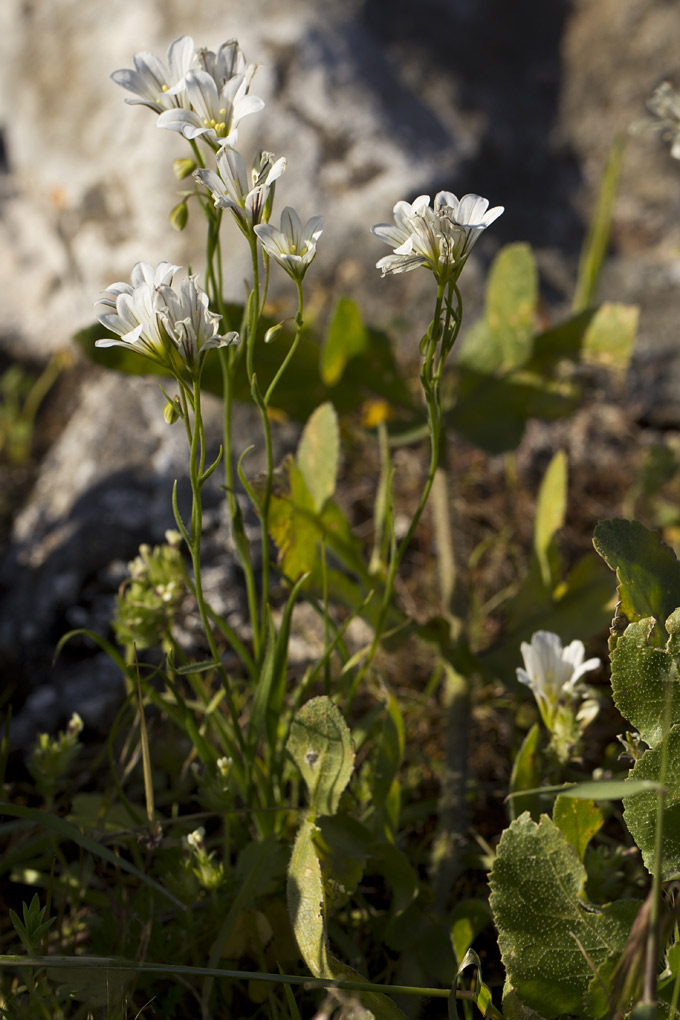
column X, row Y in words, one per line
column 647, row 571
column 346, row 338
column 320, row 744
column 641, row 675
column 640, row 812
column 511, row 296
column 318, row 452
column 545, row 923
column 610, row 336
column 307, row 909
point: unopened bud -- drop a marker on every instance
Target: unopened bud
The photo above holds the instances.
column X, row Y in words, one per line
column 179, row 216
column 172, row 411
column 183, row 167
column 273, row 333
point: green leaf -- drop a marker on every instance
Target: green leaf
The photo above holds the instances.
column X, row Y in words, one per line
column 346, row 338
column 306, row 895
column 551, row 509
column 525, row 776
column 393, row 864
column 578, row 820
column 320, row 744
column 502, row 339
column 647, row 571
column 511, row 297
column 317, row 454
column 469, row 919
column 342, row 845
column 544, row 921
column 641, row 675
column 640, row 812
column 610, row 336
column 599, row 229
column 298, row 530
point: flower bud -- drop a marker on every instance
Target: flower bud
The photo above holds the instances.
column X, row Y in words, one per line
column 179, row 216
column 183, row 167
column 172, row 411
column 273, row 333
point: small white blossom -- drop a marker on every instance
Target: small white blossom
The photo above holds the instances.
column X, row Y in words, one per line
column 439, row 238
column 665, row 105
column 293, row 246
column 195, row 839
column 246, row 194
column 158, row 85
column 215, row 112
column 153, row 318
column 553, row 672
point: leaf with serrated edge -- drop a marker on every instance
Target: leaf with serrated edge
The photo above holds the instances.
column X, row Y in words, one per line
column 320, row 744
column 640, row 812
column 537, row 898
column 641, row 675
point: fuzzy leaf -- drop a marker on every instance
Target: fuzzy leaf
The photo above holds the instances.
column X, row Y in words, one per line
column 551, row 507
column 543, row 920
column 320, row 744
column 640, row 812
column 646, row 568
column 641, row 675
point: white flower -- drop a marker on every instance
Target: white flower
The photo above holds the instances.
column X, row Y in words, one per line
column 227, row 63
column 438, row 238
column 665, row 105
column 293, row 246
column 553, row 672
column 245, row 194
column 159, row 86
column 152, row 318
column 216, row 109
column 188, row 321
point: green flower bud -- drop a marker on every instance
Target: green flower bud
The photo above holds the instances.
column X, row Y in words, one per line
column 179, row 216
column 172, row 411
column 183, row 168
column 273, row 333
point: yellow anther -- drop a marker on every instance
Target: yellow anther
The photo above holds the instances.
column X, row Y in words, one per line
column 223, row 111
column 206, row 122
column 164, row 88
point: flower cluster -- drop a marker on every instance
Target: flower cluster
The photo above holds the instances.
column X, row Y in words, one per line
column 439, row 238
column 554, row 673
column 197, row 93
column 154, row 318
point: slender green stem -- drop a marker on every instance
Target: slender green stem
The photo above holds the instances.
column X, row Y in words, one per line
column 437, row 345
column 197, row 461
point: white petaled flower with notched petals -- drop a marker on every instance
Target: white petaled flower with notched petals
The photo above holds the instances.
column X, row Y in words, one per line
column 188, row 321
column 293, row 246
column 245, row 194
column 553, row 672
column 151, row 318
column 439, row 238
column 227, row 63
column 135, row 307
column 159, row 86
column 215, row 113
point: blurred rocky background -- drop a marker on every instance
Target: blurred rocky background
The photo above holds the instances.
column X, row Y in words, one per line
column 371, row 101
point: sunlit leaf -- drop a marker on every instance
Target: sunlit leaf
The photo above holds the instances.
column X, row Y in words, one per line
column 320, row 744
column 545, row 924
column 318, row 452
